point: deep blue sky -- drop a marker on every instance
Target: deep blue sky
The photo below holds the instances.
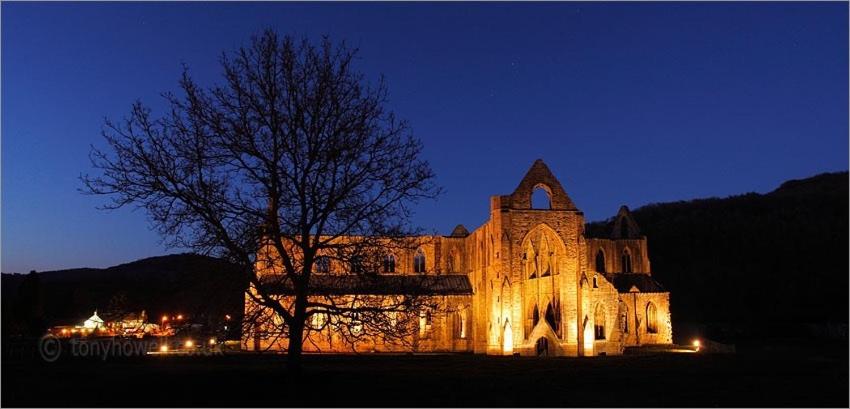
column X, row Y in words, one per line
column 627, row 103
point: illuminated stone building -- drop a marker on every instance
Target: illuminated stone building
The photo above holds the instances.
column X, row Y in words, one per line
column 529, row 281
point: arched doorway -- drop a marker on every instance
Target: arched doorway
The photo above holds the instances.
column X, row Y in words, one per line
column 541, row 347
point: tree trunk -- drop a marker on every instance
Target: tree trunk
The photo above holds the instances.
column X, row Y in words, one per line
column 296, row 334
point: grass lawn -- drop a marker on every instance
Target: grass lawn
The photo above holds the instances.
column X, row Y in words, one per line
column 784, row 377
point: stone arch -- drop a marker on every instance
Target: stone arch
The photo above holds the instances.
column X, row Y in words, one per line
column 541, row 347
column 555, row 243
column 541, row 197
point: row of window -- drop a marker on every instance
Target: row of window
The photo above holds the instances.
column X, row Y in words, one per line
column 625, row 261
column 323, row 264
column 651, row 320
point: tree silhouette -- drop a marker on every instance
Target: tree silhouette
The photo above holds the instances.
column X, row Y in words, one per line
column 294, row 156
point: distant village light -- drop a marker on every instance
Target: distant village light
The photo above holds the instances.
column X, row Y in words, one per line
column 179, row 316
column 189, row 343
column 212, row 341
column 697, row 344
column 163, row 348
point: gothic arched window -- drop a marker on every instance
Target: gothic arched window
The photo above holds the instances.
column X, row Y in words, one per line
column 651, row 319
column 600, row 261
column 419, row 262
column 627, row 261
column 389, row 263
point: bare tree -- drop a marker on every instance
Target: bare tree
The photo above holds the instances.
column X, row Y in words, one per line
column 294, row 156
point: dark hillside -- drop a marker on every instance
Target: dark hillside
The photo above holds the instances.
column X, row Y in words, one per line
column 190, row 284
column 761, row 263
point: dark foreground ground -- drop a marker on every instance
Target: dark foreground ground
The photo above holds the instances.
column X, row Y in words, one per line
column 815, row 376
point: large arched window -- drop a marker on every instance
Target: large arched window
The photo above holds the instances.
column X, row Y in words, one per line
column 599, row 322
column 651, row 318
column 627, row 261
column 419, row 262
column 389, row 263
column 600, row 261
column 323, row 264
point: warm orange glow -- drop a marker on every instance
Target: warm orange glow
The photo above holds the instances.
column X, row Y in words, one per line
column 697, row 344
column 227, row 317
column 508, row 347
column 163, row 348
column 164, row 318
column 64, row 331
column 189, row 343
column 212, row 341
column 179, row 316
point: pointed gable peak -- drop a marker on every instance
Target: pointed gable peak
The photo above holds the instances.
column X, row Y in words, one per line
column 625, row 226
column 459, row 231
column 540, row 176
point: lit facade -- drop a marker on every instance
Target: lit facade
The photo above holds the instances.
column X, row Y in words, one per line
column 529, row 281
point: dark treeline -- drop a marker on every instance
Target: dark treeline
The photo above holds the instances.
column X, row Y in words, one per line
column 203, row 288
column 755, row 264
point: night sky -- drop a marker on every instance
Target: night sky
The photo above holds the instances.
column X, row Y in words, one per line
column 627, row 103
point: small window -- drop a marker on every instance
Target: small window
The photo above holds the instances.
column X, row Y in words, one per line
column 419, row 262
column 323, row 265
column 595, row 284
column 600, row 261
column 651, row 319
column 389, row 263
